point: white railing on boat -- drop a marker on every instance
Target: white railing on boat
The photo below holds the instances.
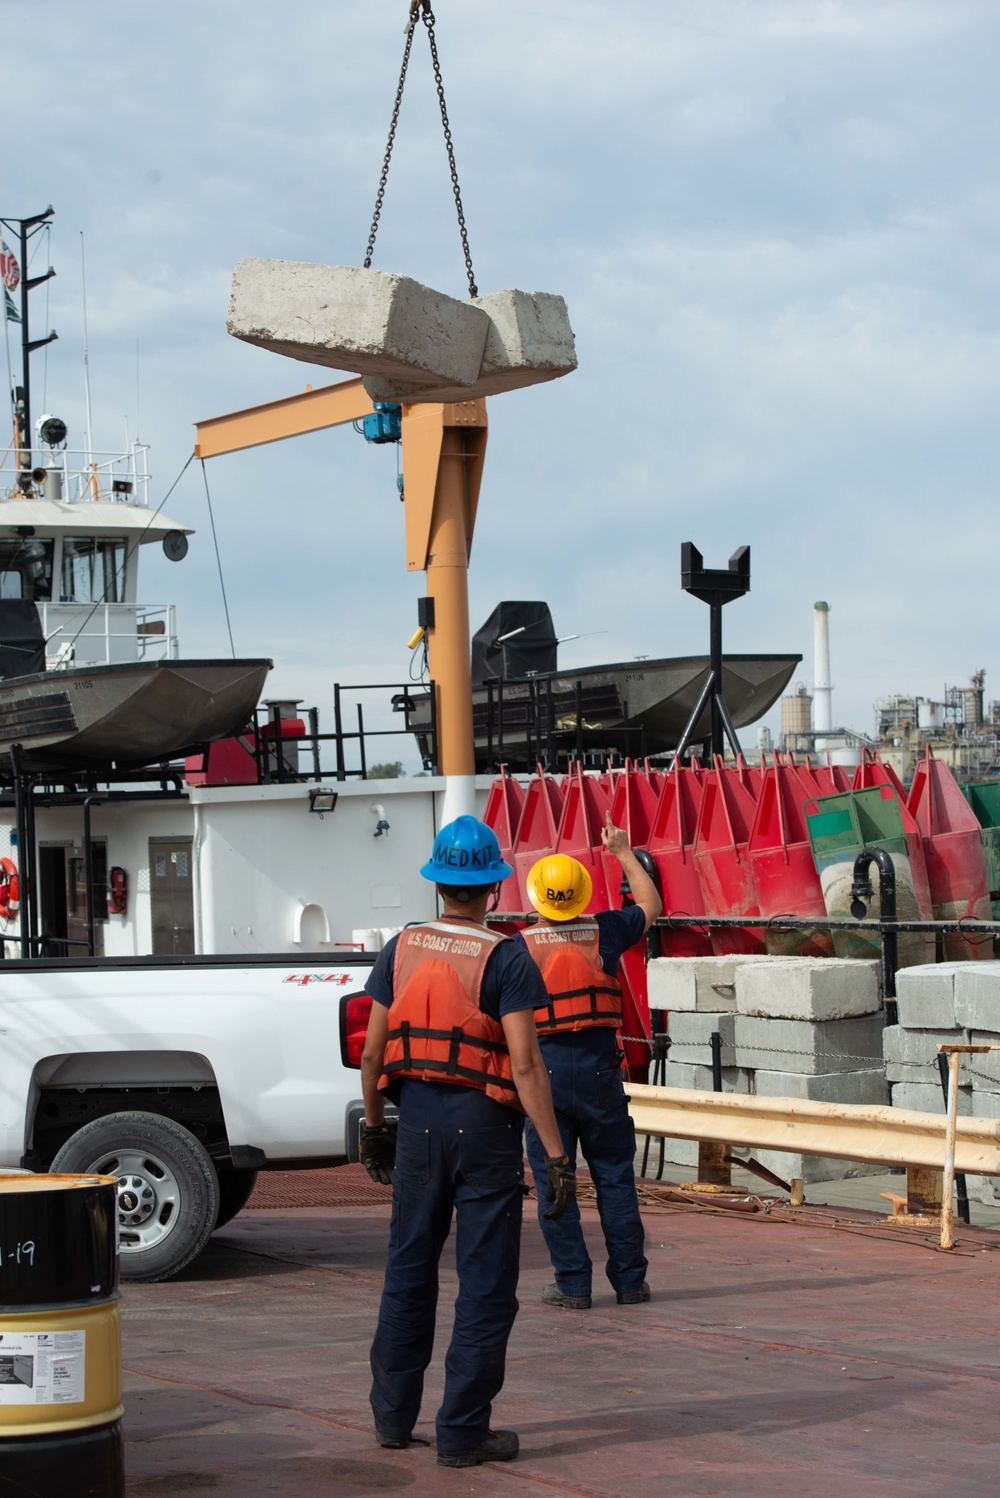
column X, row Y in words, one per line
column 101, row 634
column 111, row 477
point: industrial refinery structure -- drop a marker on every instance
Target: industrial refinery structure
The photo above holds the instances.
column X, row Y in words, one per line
column 962, row 730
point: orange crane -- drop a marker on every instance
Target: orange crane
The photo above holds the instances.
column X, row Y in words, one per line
column 443, row 451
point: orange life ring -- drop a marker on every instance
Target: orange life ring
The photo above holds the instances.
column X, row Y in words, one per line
column 10, row 889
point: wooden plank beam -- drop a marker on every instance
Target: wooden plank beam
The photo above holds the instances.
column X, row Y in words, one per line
column 309, row 411
column 844, row 1131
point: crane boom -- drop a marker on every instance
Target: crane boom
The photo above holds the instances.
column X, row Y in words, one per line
column 309, row 411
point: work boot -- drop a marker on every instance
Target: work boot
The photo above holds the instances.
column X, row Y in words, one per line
column 499, row 1446
column 553, row 1296
column 634, row 1297
column 391, row 1441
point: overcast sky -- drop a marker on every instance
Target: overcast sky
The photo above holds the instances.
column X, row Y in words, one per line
column 775, row 224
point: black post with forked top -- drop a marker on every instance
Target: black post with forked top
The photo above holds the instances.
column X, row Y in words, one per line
column 716, row 587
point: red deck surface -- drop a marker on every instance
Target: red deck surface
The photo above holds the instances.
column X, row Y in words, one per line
column 773, row 1360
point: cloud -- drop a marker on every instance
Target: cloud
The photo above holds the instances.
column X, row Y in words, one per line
column 775, row 226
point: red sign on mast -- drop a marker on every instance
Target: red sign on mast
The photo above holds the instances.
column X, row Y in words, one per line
column 10, row 271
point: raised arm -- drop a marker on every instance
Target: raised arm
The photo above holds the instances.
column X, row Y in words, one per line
column 643, row 889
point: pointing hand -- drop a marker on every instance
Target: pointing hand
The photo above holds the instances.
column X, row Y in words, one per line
column 614, row 838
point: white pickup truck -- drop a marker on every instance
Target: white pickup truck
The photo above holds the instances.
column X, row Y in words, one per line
column 183, row 1077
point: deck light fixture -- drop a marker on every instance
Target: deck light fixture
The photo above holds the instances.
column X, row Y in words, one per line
column 321, row 799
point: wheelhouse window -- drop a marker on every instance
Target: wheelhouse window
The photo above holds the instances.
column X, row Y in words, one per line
column 26, row 568
column 93, row 569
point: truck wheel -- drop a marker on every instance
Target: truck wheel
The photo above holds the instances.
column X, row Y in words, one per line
column 168, row 1193
column 235, row 1190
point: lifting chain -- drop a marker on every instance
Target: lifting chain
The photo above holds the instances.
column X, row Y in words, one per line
column 420, row 10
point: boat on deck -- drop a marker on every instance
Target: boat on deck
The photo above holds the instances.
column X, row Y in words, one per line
column 126, row 714
column 525, row 709
column 89, row 676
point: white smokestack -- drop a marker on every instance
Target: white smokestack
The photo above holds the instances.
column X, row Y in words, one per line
column 822, row 688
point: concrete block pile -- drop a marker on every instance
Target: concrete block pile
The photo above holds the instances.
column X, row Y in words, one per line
column 956, row 1002
column 408, row 342
column 791, row 1027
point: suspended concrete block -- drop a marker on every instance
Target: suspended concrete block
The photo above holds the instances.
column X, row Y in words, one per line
column 370, row 322
column 529, row 341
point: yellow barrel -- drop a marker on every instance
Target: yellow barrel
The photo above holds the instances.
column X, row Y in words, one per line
column 60, row 1330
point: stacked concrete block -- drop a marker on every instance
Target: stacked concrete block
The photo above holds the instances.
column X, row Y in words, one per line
column 926, row 1097
column 911, row 1055
column 977, row 996
column 926, row 1005
column 704, row 985
column 802, row 1028
column 860, row 1087
column 699, row 1078
column 691, row 1037
column 803, row 1047
column 866, row 1087
column 815, row 989
column 977, row 1008
column 925, row 996
column 407, row 341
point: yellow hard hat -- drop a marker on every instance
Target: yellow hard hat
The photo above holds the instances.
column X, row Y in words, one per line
column 559, row 887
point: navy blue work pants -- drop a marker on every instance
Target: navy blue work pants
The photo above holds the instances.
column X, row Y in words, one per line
column 592, row 1114
column 458, row 1151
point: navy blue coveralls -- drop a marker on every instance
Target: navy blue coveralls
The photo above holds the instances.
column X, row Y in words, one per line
column 457, row 1150
column 588, row 1095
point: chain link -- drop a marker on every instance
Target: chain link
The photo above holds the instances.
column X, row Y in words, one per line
column 420, row 10
column 380, row 196
column 775, row 1050
column 428, row 18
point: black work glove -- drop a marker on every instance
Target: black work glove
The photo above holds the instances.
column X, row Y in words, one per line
column 562, row 1185
column 377, row 1150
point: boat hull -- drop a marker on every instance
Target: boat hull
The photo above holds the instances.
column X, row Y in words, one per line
column 133, row 714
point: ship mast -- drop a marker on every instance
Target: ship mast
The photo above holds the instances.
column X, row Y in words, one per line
column 26, row 229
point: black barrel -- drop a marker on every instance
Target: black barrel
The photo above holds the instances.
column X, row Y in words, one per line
column 84, row 1464
column 57, row 1240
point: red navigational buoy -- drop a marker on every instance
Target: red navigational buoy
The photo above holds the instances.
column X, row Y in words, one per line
column 953, row 848
column 671, row 842
column 504, row 805
column 784, row 875
column 720, row 856
column 537, row 831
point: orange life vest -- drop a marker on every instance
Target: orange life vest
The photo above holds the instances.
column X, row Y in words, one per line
column 581, row 995
column 437, row 1031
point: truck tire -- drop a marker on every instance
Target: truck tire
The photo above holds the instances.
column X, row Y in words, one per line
column 168, row 1192
column 235, row 1190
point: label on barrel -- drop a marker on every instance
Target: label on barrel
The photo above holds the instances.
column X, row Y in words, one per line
column 42, row 1367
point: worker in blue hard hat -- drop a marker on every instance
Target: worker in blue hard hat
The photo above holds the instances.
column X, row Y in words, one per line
column 577, row 956
column 452, row 1041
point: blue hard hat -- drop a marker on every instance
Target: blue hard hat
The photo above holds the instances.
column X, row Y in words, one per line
column 466, row 852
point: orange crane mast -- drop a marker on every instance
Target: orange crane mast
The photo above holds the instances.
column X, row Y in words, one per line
column 443, row 446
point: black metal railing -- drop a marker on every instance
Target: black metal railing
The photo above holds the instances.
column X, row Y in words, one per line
column 281, row 756
column 529, row 720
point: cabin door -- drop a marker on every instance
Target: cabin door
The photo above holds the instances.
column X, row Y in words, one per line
column 52, row 900
column 62, row 897
column 172, row 896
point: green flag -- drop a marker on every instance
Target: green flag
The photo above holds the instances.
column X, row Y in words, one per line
column 12, row 313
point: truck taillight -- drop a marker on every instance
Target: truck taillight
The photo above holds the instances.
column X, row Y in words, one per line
column 355, row 1009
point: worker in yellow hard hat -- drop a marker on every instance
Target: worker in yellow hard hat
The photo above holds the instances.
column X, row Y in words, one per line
column 578, row 956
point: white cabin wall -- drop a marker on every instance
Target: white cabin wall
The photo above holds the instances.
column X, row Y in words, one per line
column 259, row 856
column 263, row 856
column 127, row 828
